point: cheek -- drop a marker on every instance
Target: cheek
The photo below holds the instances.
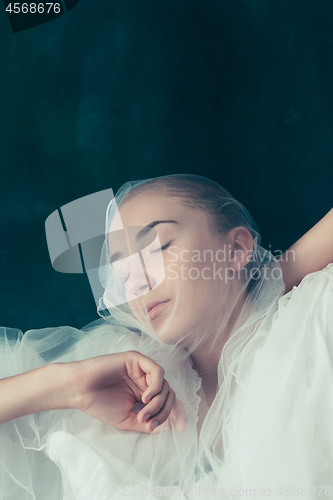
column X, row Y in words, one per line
column 194, row 274
column 135, row 309
column 194, row 269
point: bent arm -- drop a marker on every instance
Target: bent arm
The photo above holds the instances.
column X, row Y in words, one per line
column 105, row 387
column 311, row 253
column 31, row 392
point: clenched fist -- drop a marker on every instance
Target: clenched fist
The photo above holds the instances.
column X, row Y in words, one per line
column 107, row 388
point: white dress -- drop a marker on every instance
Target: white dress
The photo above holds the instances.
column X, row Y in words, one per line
column 278, row 437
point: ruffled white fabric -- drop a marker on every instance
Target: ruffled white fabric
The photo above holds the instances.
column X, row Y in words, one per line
column 277, row 434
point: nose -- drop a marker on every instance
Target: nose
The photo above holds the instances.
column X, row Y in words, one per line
column 138, row 282
column 136, row 287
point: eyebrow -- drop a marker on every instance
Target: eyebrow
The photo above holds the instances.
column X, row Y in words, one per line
column 142, row 233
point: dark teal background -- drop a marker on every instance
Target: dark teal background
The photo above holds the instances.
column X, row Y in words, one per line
column 238, row 91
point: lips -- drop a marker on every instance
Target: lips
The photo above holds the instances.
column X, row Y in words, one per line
column 154, row 307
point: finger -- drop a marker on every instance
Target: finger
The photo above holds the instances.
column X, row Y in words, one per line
column 162, row 415
column 155, row 404
column 132, row 423
column 147, row 374
column 155, row 382
column 166, row 426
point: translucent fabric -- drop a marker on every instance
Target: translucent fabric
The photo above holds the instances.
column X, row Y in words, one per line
column 277, row 431
column 267, row 427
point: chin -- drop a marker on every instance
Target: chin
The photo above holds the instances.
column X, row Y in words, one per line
column 168, row 333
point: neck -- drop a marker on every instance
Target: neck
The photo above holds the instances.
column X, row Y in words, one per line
column 206, row 356
column 205, row 362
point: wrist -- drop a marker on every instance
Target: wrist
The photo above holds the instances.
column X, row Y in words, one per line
column 66, row 377
column 53, row 393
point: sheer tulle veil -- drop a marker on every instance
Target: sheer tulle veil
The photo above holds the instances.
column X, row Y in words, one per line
column 228, row 315
column 258, row 286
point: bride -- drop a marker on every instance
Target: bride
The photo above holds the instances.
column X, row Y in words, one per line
column 202, row 377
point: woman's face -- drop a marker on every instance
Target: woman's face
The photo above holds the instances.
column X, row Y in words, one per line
column 194, row 288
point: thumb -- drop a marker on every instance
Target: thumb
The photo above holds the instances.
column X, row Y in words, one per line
column 131, row 423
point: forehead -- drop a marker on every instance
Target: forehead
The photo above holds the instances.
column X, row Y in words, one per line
column 138, row 212
column 146, row 207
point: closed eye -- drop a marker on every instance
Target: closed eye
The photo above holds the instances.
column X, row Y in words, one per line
column 161, row 248
column 125, row 279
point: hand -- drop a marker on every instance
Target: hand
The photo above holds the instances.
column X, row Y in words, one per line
column 107, row 387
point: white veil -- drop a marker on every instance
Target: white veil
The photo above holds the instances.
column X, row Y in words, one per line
column 259, row 286
column 99, row 462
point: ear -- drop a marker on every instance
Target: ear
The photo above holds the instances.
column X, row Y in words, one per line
column 241, row 247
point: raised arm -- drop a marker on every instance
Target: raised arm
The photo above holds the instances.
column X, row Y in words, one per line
column 311, row 253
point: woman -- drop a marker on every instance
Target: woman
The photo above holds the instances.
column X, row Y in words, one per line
column 187, row 288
